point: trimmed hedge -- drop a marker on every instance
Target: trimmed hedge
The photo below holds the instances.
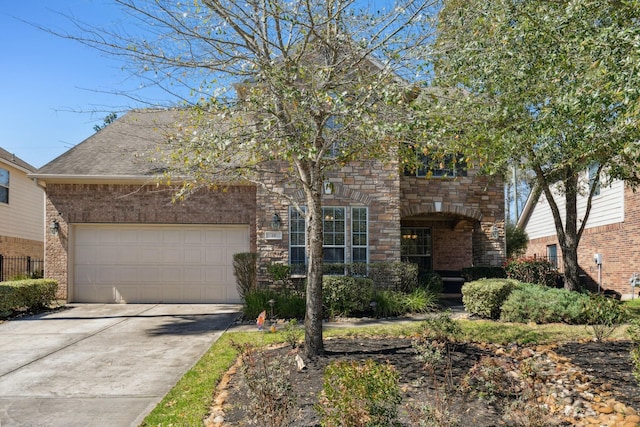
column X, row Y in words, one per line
column 485, row 297
column 345, row 295
column 30, row 294
column 533, row 270
column 540, row 304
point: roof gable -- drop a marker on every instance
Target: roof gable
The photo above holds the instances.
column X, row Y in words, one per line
column 126, row 147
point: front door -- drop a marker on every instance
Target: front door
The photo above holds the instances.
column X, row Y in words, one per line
column 416, row 247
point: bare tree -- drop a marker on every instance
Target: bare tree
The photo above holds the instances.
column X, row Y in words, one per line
column 316, row 84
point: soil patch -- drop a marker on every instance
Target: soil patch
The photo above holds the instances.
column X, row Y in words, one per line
column 575, row 383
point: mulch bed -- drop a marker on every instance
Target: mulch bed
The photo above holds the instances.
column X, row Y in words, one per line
column 602, row 369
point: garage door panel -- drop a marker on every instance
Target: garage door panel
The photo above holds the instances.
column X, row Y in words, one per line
column 156, row 263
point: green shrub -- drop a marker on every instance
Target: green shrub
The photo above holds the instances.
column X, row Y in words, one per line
column 539, row 304
column 420, row 301
column 485, row 297
column 603, row 314
column 398, row 276
column 634, row 334
column 245, row 270
column 389, row 303
column 31, row 294
column 290, row 305
column 344, row 295
column 483, row 272
column 287, row 305
column 533, row 270
column 359, row 394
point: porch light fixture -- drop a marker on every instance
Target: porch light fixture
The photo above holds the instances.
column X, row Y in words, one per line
column 54, row 227
column 276, row 222
column 495, row 233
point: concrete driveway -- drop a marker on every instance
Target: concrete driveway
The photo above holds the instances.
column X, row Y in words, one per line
column 101, row 364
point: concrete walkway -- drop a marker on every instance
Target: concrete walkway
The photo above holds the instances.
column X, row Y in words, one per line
column 101, row 364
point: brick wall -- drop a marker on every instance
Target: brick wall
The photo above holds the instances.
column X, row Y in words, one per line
column 463, row 214
column 16, row 247
column 134, row 204
column 619, row 244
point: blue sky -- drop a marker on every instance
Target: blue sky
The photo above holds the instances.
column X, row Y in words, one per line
column 50, row 87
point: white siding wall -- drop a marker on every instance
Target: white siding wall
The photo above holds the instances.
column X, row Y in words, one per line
column 23, row 217
column 607, row 208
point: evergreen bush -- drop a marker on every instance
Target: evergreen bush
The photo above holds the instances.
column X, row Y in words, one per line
column 485, row 297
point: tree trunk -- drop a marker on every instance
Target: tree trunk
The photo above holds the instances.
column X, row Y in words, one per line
column 569, row 242
column 313, row 344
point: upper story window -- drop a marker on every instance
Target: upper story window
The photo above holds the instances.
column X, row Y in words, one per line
column 450, row 166
column 335, row 150
column 4, row 186
column 593, row 174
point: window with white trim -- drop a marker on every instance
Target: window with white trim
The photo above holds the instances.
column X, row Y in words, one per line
column 4, row 186
column 359, row 235
column 333, row 225
column 297, row 240
column 336, row 226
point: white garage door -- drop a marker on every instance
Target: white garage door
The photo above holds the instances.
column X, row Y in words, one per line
column 156, row 263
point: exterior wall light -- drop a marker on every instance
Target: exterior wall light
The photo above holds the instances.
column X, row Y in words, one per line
column 495, row 233
column 276, row 222
column 54, row 227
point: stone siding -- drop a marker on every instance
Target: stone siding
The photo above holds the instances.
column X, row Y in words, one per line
column 370, row 184
column 464, row 213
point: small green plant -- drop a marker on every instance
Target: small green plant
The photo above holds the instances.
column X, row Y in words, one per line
column 442, row 327
column 270, row 393
column 604, row 315
column 293, row 333
column 359, row 394
column 634, row 334
column 388, row 303
column 420, row 301
column 279, row 273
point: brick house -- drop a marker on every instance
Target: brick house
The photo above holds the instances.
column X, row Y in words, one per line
column 22, row 213
column 121, row 239
column 611, row 231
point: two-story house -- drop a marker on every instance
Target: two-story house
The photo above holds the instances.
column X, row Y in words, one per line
column 22, row 213
column 611, row 228
column 117, row 237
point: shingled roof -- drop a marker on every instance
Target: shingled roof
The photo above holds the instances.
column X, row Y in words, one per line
column 124, row 148
column 12, row 159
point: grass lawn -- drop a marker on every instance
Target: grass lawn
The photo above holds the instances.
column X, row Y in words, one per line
column 188, row 403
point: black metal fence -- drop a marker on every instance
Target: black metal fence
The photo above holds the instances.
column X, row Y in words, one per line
column 12, row 268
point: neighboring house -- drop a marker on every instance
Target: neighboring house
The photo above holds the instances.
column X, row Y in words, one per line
column 22, row 213
column 121, row 239
column 611, row 231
